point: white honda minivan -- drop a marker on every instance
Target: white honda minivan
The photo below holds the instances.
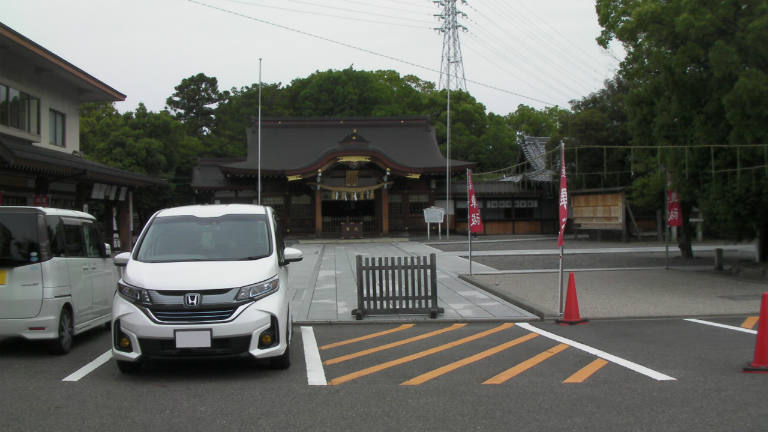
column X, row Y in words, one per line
column 56, row 278
column 204, row 281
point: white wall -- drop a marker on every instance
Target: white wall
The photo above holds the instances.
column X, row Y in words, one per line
column 53, row 94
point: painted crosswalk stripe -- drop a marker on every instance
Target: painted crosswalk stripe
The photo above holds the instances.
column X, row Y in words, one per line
column 602, row 354
column 392, row 345
column 367, row 337
column 416, row 356
column 725, row 326
column 750, row 322
column 315, row 372
column 421, row 379
column 587, row 371
column 90, row 367
column 524, row 366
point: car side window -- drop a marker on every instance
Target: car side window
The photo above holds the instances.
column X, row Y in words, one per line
column 56, row 235
column 93, row 244
column 279, row 240
column 74, row 244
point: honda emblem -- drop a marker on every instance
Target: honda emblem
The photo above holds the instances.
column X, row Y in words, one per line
column 192, row 300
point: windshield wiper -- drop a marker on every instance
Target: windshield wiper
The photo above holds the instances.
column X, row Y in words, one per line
column 253, row 258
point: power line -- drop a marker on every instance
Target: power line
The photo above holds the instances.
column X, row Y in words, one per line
column 350, row 18
column 534, row 36
column 365, row 50
column 557, row 85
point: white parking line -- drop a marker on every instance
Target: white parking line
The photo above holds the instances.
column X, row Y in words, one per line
column 714, row 324
column 90, row 367
column 315, row 371
column 658, row 376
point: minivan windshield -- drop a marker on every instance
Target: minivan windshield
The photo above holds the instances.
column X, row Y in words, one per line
column 19, row 241
column 190, row 238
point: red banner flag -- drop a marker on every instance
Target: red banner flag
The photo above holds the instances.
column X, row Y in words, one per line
column 473, row 210
column 563, row 198
column 674, row 217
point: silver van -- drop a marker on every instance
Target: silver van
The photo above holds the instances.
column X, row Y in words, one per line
column 56, row 275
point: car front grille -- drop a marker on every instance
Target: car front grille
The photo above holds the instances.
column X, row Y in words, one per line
column 215, row 305
column 166, row 348
column 196, row 315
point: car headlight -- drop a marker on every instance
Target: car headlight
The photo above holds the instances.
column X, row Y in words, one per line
column 259, row 290
column 133, row 294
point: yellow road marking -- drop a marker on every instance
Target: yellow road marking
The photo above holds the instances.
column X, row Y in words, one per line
column 750, row 322
column 524, row 366
column 416, row 356
column 471, row 359
column 391, row 345
column 586, row 372
column 366, row 337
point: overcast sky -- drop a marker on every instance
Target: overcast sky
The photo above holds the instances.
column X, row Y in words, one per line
column 533, row 52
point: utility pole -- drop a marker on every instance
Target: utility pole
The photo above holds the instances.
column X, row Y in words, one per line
column 451, row 64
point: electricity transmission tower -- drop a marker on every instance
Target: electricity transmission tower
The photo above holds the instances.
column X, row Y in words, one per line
column 451, row 64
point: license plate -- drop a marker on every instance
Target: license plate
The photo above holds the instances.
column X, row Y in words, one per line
column 3, row 275
column 193, row 338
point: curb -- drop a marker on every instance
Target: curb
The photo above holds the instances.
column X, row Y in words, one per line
column 515, row 301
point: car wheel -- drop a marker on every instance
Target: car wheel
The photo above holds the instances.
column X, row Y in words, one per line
column 63, row 342
column 129, row 368
column 283, row 361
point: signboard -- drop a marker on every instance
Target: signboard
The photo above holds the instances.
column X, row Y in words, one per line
column 474, row 220
column 41, row 201
column 563, row 218
column 598, row 211
column 674, row 217
column 434, row 215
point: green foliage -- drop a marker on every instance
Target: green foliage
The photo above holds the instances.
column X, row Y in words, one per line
column 146, row 142
column 697, row 74
column 193, row 103
column 204, row 122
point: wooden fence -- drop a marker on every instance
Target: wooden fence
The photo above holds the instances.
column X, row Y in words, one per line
column 396, row 285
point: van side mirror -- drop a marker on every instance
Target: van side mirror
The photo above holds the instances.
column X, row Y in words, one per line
column 292, row 255
column 121, row 259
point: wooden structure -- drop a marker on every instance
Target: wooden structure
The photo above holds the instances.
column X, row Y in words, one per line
column 320, row 173
column 398, row 285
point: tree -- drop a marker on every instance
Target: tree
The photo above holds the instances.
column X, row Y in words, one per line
column 598, row 120
column 696, row 74
column 194, row 101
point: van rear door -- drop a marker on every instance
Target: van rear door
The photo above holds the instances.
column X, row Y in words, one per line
column 21, row 278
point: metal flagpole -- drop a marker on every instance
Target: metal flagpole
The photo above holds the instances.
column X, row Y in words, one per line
column 259, row 127
column 561, row 296
column 666, row 218
column 448, row 158
column 469, row 230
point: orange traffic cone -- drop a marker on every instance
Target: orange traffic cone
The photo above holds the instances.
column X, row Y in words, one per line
column 760, row 363
column 571, row 316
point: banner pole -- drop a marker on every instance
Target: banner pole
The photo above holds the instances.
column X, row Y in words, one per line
column 563, row 217
column 561, row 308
column 666, row 218
column 469, row 230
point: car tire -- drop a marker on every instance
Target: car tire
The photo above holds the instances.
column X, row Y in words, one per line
column 283, row 361
column 129, row 368
column 63, row 342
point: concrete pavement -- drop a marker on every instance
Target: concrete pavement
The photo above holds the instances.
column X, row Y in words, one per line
column 323, row 287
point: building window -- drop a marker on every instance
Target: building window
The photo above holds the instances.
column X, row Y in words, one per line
column 19, row 110
column 301, row 207
column 417, row 203
column 56, row 127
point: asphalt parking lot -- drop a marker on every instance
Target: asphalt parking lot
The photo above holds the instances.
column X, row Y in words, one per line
column 614, row 373
column 669, row 374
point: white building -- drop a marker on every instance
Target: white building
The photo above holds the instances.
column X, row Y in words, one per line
column 40, row 161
